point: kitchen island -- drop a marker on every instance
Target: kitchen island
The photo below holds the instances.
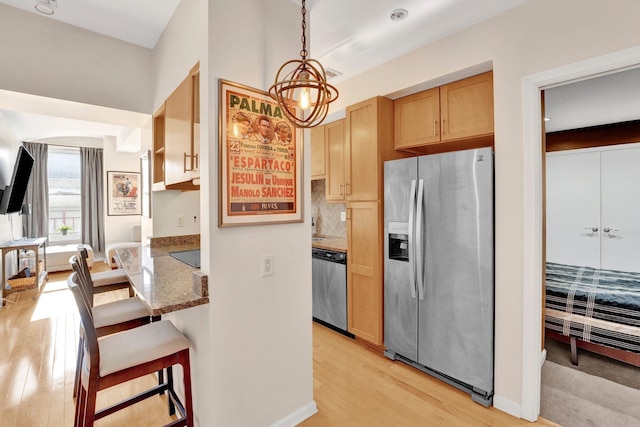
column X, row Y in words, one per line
column 164, row 283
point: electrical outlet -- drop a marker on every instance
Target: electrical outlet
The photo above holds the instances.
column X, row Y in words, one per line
column 267, row 265
column 180, row 220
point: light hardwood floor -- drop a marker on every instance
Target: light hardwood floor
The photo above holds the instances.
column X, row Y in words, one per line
column 357, row 386
column 353, row 385
column 38, row 344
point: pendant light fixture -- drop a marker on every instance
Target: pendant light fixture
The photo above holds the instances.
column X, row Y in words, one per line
column 301, row 87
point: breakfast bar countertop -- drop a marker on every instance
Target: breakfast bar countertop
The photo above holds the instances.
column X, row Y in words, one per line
column 164, row 283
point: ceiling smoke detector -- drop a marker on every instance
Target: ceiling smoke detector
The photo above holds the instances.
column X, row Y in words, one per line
column 46, row 7
column 399, row 15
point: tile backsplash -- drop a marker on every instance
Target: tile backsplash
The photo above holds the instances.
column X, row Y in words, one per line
column 326, row 215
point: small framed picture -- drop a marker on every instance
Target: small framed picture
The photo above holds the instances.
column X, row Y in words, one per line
column 123, row 193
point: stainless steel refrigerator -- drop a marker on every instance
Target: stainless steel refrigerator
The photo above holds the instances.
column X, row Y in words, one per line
column 439, row 268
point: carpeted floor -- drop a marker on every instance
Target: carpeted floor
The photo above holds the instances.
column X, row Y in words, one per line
column 586, row 395
column 594, row 364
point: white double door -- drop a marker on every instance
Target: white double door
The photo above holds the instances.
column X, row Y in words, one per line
column 593, row 208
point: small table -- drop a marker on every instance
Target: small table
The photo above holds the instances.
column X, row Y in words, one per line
column 26, row 244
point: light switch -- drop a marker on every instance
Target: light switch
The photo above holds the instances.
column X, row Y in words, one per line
column 343, row 216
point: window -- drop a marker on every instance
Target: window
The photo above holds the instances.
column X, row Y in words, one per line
column 64, row 194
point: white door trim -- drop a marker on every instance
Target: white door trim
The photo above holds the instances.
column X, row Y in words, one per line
column 532, row 236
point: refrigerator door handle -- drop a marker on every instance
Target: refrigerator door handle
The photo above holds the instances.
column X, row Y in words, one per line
column 412, row 258
column 419, row 243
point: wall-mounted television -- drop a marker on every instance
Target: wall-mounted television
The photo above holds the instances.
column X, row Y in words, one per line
column 13, row 195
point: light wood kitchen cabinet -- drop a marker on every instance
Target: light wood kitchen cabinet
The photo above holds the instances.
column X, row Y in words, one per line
column 335, row 162
column 158, row 149
column 182, row 134
column 354, row 165
column 458, row 111
column 417, row 119
column 318, row 152
column 194, row 75
column 368, row 144
column 369, row 130
column 364, row 271
column 466, row 107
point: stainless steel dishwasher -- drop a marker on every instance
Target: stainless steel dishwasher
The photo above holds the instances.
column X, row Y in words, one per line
column 329, row 288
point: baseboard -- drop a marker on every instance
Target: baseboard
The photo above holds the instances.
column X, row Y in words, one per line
column 508, row 406
column 298, row 416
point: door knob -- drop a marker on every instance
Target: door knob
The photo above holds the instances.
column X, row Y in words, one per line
column 592, row 229
column 608, row 230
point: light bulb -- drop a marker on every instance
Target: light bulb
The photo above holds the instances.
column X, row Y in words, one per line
column 304, row 98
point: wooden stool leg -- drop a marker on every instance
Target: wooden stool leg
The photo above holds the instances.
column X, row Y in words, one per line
column 574, row 352
column 183, row 359
column 172, row 406
column 80, row 403
column 76, row 380
column 90, row 406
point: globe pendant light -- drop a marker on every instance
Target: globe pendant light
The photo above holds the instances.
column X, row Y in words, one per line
column 301, row 87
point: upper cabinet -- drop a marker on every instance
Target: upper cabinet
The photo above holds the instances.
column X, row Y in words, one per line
column 158, row 149
column 417, row 119
column 318, row 163
column 369, row 128
column 177, row 135
column 194, row 75
column 458, row 111
column 335, row 161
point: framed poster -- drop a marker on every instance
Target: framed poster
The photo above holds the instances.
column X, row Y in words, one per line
column 260, row 159
column 123, row 193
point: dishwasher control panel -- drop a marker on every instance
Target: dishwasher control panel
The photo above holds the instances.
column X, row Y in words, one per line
column 327, row 255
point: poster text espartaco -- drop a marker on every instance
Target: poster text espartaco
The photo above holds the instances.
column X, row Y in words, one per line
column 261, row 157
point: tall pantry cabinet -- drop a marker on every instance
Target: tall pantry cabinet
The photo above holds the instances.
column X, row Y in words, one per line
column 368, row 144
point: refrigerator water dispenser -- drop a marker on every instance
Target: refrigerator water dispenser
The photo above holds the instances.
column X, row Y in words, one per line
column 399, row 241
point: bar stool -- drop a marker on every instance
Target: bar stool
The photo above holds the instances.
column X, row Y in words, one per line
column 114, row 316
column 127, row 355
column 104, row 281
column 108, row 318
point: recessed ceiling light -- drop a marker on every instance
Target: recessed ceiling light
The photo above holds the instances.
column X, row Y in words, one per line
column 399, row 14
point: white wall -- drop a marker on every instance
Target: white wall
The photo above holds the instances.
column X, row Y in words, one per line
column 179, row 48
column 262, row 362
column 53, row 60
column 45, row 57
column 118, row 227
column 177, row 51
column 537, row 36
column 10, row 224
column 254, row 360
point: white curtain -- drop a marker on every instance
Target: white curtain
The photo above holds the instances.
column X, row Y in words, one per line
column 92, row 191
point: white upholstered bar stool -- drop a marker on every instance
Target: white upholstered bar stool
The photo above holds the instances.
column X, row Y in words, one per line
column 108, row 318
column 105, row 281
column 113, row 316
column 127, row 355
